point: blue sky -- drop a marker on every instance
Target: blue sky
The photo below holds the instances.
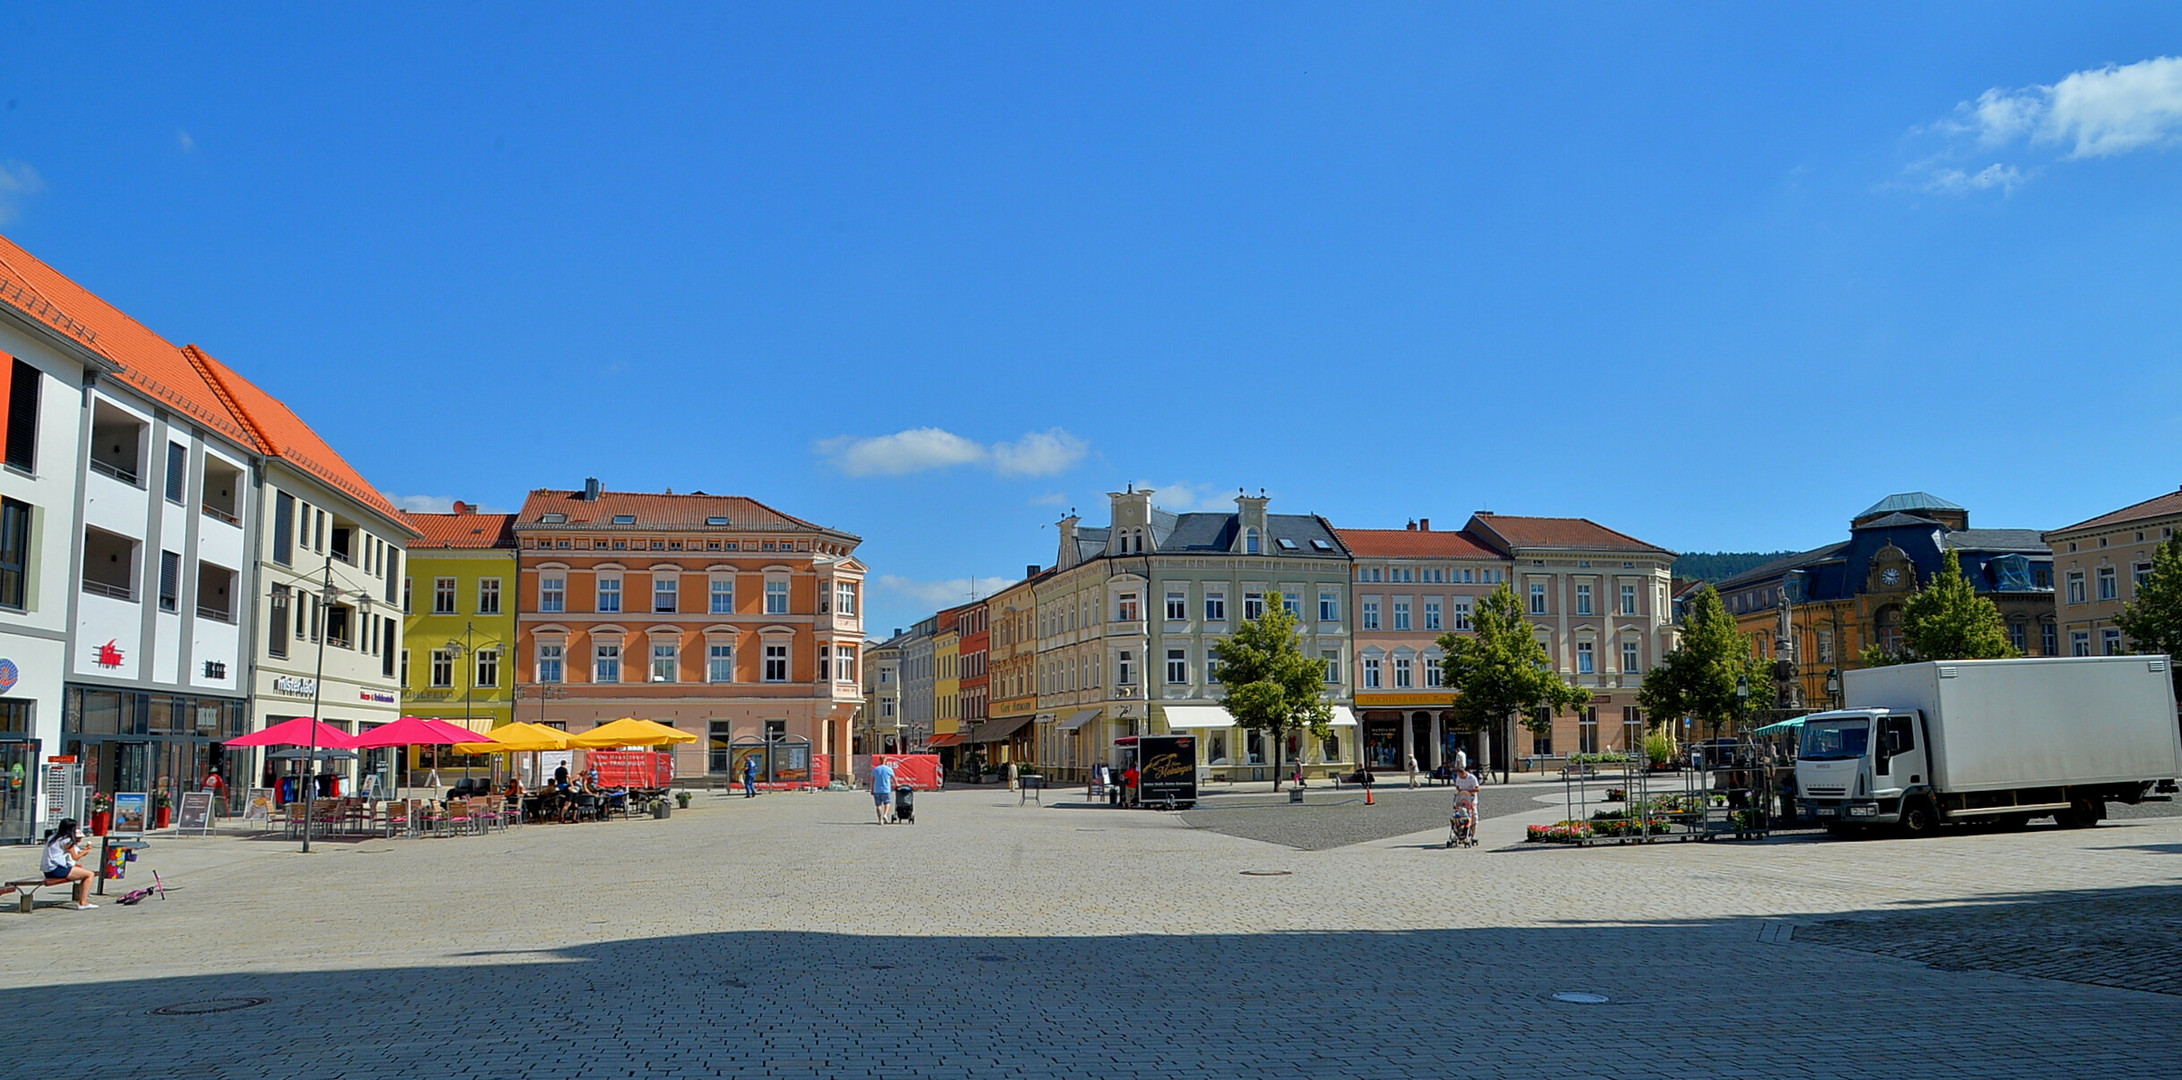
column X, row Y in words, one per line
column 1718, row 276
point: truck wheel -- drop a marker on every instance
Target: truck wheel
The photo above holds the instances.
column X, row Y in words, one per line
column 1919, row 819
column 2081, row 814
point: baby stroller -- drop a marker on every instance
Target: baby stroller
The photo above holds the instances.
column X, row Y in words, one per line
column 1462, row 827
column 905, row 805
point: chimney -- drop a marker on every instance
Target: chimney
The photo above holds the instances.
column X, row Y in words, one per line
column 1030, row 571
column 1424, row 524
column 591, row 489
column 897, row 631
column 461, row 507
column 1412, row 526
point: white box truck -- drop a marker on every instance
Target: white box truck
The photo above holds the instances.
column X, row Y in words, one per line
column 1997, row 741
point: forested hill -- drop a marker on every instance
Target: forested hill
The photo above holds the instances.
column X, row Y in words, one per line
column 1722, row 565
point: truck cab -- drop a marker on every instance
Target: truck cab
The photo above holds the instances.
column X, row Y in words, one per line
column 1860, row 767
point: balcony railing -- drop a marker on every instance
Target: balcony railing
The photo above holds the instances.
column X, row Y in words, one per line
column 212, row 511
column 215, row 614
column 115, row 471
column 100, row 588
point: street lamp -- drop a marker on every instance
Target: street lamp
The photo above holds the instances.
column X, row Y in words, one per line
column 1833, row 686
column 1742, row 699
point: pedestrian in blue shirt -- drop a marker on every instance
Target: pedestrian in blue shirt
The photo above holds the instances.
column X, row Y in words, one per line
column 749, row 777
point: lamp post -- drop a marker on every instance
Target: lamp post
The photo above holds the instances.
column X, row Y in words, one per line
column 1742, row 700
column 1833, row 686
column 326, row 596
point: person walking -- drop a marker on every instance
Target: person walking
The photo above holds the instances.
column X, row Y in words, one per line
column 882, row 790
column 1412, row 770
column 750, row 777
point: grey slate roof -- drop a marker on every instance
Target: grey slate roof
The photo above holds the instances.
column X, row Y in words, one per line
column 1216, row 532
column 2027, row 540
column 1091, row 541
column 1774, row 569
column 1892, row 520
column 1910, row 501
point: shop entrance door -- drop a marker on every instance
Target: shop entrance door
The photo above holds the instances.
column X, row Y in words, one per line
column 18, row 791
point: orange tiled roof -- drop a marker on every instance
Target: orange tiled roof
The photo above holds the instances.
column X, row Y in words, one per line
column 281, row 433
column 1552, row 532
column 148, row 362
column 658, row 511
column 2156, row 506
column 462, row 530
column 1414, row 544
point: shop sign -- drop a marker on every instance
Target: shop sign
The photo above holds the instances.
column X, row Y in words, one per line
column 8, row 674
column 1368, row 700
column 1168, row 769
column 295, row 684
column 380, row 697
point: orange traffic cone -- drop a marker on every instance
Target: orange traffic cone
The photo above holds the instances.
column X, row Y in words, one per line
column 1367, row 797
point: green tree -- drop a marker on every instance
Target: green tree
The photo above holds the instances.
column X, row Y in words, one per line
column 1272, row 687
column 2153, row 620
column 1698, row 679
column 1945, row 619
column 1499, row 669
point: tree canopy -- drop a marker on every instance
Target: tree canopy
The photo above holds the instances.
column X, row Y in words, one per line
column 1698, row 678
column 2153, row 620
column 1945, row 619
column 1272, row 687
column 1499, row 668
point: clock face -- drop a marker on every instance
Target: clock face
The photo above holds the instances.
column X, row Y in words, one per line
column 1890, row 576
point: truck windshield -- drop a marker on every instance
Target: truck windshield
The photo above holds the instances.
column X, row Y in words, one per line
column 1835, row 740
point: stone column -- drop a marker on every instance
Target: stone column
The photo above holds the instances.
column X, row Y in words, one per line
column 1409, row 741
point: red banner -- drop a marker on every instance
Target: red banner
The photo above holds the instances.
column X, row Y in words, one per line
column 920, row 771
column 633, row 768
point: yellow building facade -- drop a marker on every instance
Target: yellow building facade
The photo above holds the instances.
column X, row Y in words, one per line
column 458, row 603
column 947, row 683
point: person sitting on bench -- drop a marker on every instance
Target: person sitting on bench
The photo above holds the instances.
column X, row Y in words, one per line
column 64, row 845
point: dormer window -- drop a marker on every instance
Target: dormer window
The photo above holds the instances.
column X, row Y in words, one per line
column 715, row 521
column 554, row 519
column 1285, row 543
column 624, row 519
column 1321, row 545
column 1250, row 541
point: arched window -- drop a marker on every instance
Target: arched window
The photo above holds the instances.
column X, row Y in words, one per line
column 1250, row 541
column 1887, row 623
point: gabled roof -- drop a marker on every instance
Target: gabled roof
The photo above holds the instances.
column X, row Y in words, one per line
column 1896, row 520
column 148, row 362
column 1414, row 544
column 2154, row 507
column 1774, row 569
column 1215, row 532
column 1576, row 534
column 279, row 432
column 462, row 530
column 1909, row 501
column 693, row 511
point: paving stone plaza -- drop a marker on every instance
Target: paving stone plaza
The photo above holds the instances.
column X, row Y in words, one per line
column 790, row 936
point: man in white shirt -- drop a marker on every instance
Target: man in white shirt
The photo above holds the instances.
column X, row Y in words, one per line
column 1466, row 785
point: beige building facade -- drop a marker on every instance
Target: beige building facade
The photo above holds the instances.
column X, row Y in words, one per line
column 2098, row 566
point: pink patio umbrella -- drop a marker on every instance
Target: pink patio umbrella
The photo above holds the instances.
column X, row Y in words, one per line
column 417, row 731
column 298, row 732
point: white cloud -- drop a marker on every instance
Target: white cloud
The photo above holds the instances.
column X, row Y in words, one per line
column 1039, row 454
column 1051, row 498
column 1181, row 497
column 923, row 449
column 946, row 593
column 2097, row 112
column 1961, row 182
column 17, row 182
column 183, row 139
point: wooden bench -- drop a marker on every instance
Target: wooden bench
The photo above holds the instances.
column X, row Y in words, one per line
column 26, row 890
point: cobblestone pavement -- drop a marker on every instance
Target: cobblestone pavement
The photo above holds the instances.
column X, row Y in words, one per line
column 1330, row 818
column 786, row 936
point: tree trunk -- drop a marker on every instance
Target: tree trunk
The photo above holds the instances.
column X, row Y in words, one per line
column 1280, row 738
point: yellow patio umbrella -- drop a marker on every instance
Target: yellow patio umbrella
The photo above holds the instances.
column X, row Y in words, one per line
column 628, row 731
column 518, row 738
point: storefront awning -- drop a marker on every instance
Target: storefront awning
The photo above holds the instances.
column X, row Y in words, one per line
column 1342, row 717
column 952, row 738
column 1081, row 717
column 1198, row 716
column 992, row 731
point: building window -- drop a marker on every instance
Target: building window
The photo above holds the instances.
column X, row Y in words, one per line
column 1401, row 614
column 1250, row 542
column 1583, row 599
column 177, row 472
column 1212, row 666
column 405, row 666
column 2075, row 586
column 1435, row 676
column 2019, row 636
column 825, row 662
column 549, row 663
column 1177, row 667
column 1125, row 609
column 1370, row 617
column 1628, row 657
column 1253, row 606
column 1537, row 599
column 666, row 590
column 1329, row 606
column 606, row 663
column 776, row 597
column 776, row 663
column 1462, row 614
column 663, row 663
column 2109, row 584
column 1825, row 646
column 2139, row 575
column 443, row 596
column 1177, row 605
column 844, row 598
column 1125, row 669
column 443, row 669
column 170, row 581
column 609, row 595
column 22, row 439
column 723, row 596
column 276, row 627
column 2079, row 642
column 844, row 663
column 488, row 667
column 2110, row 639
column 552, row 593
column 1585, row 663
column 1432, row 616
column 1404, row 673
column 284, row 529
column 720, row 663
column 488, row 596
column 1628, row 599
column 1215, row 606
column 1587, row 732
column 2049, row 642
column 1371, row 673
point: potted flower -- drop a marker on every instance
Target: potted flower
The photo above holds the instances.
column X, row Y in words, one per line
column 102, row 813
column 681, row 799
column 164, row 800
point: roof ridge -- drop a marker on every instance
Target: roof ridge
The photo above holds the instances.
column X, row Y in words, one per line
column 210, row 371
